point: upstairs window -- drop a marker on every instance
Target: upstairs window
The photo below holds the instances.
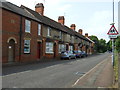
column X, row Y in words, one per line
column 27, row 26
column 39, row 29
column 60, row 35
column 49, row 32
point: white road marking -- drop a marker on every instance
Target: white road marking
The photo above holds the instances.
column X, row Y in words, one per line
column 88, row 72
column 76, row 72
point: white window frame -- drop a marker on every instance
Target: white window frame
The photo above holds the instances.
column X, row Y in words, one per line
column 62, row 47
column 27, row 42
column 49, row 32
column 27, row 26
column 39, row 29
column 60, row 35
column 49, row 47
column 70, row 48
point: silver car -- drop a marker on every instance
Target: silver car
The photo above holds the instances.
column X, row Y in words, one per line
column 68, row 55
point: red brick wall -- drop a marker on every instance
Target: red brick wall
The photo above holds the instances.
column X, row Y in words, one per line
column 75, row 46
column 33, row 36
column 10, row 28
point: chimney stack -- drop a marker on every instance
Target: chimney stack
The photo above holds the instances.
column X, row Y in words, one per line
column 80, row 31
column 73, row 26
column 86, row 34
column 39, row 8
column 61, row 20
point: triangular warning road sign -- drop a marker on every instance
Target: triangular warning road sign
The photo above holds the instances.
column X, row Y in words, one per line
column 113, row 31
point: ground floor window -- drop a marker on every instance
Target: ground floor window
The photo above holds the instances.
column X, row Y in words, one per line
column 71, row 48
column 26, row 46
column 62, row 47
column 49, row 47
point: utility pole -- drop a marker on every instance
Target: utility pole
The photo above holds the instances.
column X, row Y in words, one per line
column 113, row 33
column 113, row 38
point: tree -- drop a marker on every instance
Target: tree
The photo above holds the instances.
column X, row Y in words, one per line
column 95, row 39
column 109, row 46
column 102, row 46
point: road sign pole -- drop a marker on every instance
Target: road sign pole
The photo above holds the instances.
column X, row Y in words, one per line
column 113, row 39
column 113, row 52
column 113, row 11
column 113, row 33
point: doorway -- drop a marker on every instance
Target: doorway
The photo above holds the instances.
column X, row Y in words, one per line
column 55, row 48
column 39, row 50
column 11, row 51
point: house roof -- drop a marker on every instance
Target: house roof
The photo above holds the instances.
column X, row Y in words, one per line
column 47, row 21
column 90, row 40
column 16, row 9
column 54, row 24
column 26, row 12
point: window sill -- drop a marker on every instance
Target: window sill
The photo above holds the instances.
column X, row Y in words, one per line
column 26, row 53
column 28, row 32
column 49, row 36
column 49, row 52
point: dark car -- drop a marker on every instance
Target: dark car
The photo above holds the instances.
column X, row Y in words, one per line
column 68, row 55
column 84, row 54
column 78, row 53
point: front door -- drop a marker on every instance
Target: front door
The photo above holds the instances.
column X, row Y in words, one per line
column 55, row 50
column 11, row 51
column 39, row 50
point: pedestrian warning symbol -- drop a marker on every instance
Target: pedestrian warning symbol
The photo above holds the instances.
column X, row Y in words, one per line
column 113, row 31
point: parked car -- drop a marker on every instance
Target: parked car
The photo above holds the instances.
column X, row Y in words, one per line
column 78, row 53
column 84, row 54
column 68, row 54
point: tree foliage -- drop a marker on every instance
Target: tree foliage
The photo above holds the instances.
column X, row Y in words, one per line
column 95, row 39
column 100, row 45
column 117, row 44
column 109, row 46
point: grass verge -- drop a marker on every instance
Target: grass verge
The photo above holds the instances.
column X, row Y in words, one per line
column 116, row 69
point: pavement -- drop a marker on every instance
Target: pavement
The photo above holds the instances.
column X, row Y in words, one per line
column 101, row 76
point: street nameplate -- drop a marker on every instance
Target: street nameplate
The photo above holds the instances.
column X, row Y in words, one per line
column 113, row 36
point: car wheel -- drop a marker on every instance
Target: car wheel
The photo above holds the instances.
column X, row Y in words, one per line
column 75, row 57
column 69, row 58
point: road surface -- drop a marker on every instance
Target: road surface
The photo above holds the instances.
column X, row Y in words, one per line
column 57, row 74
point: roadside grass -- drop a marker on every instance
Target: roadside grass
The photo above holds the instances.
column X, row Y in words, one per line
column 116, row 65
column 116, row 69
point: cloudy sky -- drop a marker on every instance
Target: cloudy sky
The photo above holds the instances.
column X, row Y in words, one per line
column 93, row 16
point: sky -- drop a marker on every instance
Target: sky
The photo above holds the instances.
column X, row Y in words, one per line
column 93, row 16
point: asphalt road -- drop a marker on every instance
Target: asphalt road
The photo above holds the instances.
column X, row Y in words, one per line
column 57, row 74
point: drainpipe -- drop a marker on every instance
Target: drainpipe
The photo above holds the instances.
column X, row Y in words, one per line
column 20, row 39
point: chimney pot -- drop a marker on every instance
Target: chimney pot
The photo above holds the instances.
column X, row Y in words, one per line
column 86, row 34
column 80, row 31
column 39, row 8
column 61, row 19
column 73, row 26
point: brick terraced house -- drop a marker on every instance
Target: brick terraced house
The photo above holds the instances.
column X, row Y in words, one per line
column 28, row 35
